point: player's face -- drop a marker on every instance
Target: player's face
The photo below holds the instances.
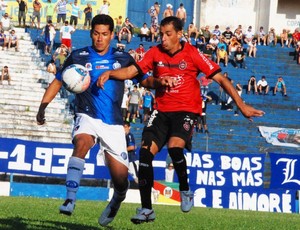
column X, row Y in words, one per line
column 170, row 39
column 101, row 37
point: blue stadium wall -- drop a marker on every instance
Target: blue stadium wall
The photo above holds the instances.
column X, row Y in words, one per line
column 137, row 10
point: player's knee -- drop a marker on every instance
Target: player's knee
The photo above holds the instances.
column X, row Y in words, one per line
column 176, row 154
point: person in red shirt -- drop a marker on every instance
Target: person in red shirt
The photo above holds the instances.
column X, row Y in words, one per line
column 178, row 104
column 140, row 51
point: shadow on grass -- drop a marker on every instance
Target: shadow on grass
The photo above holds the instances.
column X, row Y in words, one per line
column 19, row 223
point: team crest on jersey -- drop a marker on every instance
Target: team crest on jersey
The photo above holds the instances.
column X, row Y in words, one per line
column 116, row 65
column 124, row 155
column 160, row 64
column 88, row 66
column 182, row 65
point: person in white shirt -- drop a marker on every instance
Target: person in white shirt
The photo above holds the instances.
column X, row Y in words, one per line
column 104, row 8
column 3, row 6
column 5, row 22
column 262, row 85
column 249, row 35
column 169, row 173
column 65, row 35
column 145, row 32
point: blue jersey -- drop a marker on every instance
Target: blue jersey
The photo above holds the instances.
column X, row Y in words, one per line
column 104, row 104
column 147, row 100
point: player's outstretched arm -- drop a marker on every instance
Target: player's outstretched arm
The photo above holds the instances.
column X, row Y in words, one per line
column 247, row 110
column 50, row 93
column 154, row 83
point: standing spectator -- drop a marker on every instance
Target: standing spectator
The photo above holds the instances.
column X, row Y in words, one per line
column 223, row 96
column 50, row 8
column 61, row 9
column 131, row 147
column 252, row 85
column 181, row 14
column 262, row 86
column 104, row 8
column 88, row 11
column 261, row 36
column 169, row 11
column 201, row 121
column 3, row 39
column 134, row 98
column 124, row 105
column 272, row 37
column 51, row 69
column 75, row 14
column 204, row 85
column 280, row 87
column 154, row 12
column 172, row 121
column 22, row 12
column 66, row 32
column 192, row 31
column 5, row 75
column 239, row 58
column 144, row 32
column 36, row 13
column 154, row 31
column 148, row 101
column 13, row 40
column 6, row 23
column 169, row 173
column 3, row 6
column 239, row 90
column 119, row 24
column 49, row 32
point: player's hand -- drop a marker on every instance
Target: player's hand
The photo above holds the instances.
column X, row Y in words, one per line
column 40, row 117
column 168, row 81
column 102, row 79
column 249, row 112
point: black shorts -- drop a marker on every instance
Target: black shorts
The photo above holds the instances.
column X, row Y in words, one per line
column 163, row 125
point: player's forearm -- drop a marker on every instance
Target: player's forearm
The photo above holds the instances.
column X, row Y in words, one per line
column 50, row 94
column 123, row 73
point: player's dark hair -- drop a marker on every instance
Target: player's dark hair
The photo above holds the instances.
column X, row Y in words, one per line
column 103, row 19
column 176, row 22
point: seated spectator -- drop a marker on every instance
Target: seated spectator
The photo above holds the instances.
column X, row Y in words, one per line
column 239, row 36
column 262, row 86
column 284, row 38
column 239, row 58
column 129, row 26
column 13, row 40
column 295, row 38
column 192, row 31
column 5, row 23
column 248, row 35
column 209, row 52
column 5, row 75
column 261, row 36
column 252, row 49
column 133, row 54
column 223, row 96
column 60, row 54
column 3, row 39
column 124, row 34
column 227, row 34
column 222, row 56
column 252, row 85
column 154, row 31
column 140, row 52
column 51, row 69
column 206, row 33
column 222, row 43
column 272, row 38
column 280, row 87
column 200, row 42
column 214, row 41
column 144, row 32
column 217, row 32
column 185, row 38
column 232, row 47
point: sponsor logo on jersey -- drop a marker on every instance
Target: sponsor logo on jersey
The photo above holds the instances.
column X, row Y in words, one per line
column 89, row 66
column 116, row 65
column 160, row 64
column 101, row 67
column 182, row 65
column 103, row 61
column 84, row 53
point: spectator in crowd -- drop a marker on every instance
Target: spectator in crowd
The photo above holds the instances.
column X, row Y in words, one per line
column 181, row 14
column 252, row 48
column 192, row 31
column 239, row 35
column 261, row 36
column 5, row 75
column 222, row 56
column 144, row 32
column 3, row 39
column 131, row 147
column 169, row 173
column 206, row 33
column 262, row 86
column 297, row 52
column 51, row 69
column 280, row 87
column 154, row 12
column 239, row 58
column 295, row 38
column 49, row 32
column 50, row 9
column 88, row 11
column 230, row 102
column 61, row 10
column 6, row 24
column 125, row 34
column 154, row 31
column 124, row 105
column 22, row 12
column 140, row 52
column 204, row 85
column 13, row 40
column 214, row 41
column 36, row 14
column 61, row 54
column 232, row 47
column 222, row 43
column 284, row 37
column 217, row 32
column 209, row 52
column 238, row 29
column 3, row 6
column 200, row 42
column 119, row 23
column 271, row 37
column 148, row 100
column 75, row 14
column 223, row 96
column 129, row 26
column 227, row 34
column 252, row 85
column 248, row 35
column 134, row 98
column 104, row 9
column 169, row 11
column 66, row 32
column 202, row 123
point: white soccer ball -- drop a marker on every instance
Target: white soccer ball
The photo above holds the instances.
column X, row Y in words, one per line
column 76, row 78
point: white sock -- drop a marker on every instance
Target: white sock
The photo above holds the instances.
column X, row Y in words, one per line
column 74, row 173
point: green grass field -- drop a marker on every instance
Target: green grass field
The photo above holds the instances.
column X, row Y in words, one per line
column 20, row 213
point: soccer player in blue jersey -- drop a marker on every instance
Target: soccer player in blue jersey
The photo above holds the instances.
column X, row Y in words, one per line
column 98, row 116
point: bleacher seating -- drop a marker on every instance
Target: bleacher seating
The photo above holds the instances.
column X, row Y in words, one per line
column 228, row 133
